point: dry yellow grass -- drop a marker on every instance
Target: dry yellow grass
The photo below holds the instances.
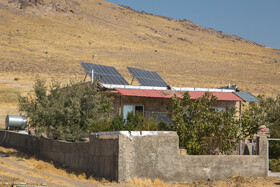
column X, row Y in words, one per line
column 45, row 41
column 22, row 163
column 237, row 180
column 149, row 182
column 41, row 169
column 49, row 39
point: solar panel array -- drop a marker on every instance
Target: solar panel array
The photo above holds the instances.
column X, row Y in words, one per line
column 106, row 74
column 147, row 78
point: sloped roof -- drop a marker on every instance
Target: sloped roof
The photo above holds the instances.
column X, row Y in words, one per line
column 247, row 97
column 222, row 96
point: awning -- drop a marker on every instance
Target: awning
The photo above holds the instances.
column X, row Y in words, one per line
column 247, row 97
column 221, row 96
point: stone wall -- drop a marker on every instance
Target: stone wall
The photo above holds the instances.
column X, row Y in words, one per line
column 122, row 156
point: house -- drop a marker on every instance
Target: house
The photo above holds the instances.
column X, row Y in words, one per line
column 154, row 95
column 153, row 101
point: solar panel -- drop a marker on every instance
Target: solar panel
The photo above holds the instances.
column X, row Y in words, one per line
column 147, row 78
column 247, row 96
column 106, row 74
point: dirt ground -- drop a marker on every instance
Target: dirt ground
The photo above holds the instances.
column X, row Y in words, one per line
column 17, row 167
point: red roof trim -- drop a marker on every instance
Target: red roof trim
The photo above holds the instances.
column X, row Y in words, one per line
column 221, row 96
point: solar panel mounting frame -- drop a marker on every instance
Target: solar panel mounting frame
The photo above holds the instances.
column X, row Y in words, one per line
column 106, row 74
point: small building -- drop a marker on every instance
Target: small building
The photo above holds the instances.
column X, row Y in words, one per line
column 153, row 101
column 154, row 96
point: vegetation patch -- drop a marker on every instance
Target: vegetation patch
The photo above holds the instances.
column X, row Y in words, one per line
column 9, row 95
column 274, row 165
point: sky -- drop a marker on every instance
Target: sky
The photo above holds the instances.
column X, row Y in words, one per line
column 255, row 20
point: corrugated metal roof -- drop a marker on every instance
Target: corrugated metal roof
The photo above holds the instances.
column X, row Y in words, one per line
column 247, row 96
column 222, row 96
column 182, row 89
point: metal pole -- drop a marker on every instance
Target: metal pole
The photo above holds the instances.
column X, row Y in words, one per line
column 240, row 126
column 85, row 78
column 92, row 71
column 92, row 76
column 273, row 139
column 267, row 156
column 132, row 80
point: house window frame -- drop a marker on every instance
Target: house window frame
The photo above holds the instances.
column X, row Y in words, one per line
column 134, row 109
column 143, row 112
column 220, row 109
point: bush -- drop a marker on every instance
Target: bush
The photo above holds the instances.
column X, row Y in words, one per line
column 137, row 122
column 274, row 165
column 266, row 112
column 202, row 129
column 64, row 113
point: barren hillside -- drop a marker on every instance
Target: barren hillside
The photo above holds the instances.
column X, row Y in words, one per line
column 50, row 38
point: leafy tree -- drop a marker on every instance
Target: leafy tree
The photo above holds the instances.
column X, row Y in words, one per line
column 202, row 129
column 266, row 112
column 64, row 113
column 137, row 122
column 252, row 117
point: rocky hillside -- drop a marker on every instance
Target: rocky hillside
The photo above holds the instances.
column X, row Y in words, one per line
column 51, row 37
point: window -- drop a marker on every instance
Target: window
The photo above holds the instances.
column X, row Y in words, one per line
column 132, row 108
column 126, row 110
column 220, row 109
column 139, row 108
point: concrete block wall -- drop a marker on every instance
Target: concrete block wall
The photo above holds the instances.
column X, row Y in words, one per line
column 98, row 157
column 158, row 157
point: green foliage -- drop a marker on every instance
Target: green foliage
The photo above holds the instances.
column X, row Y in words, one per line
column 137, row 122
column 100, row 126
column 253, row 117
column 118, row 123
column 274, row 149
column 202, row 129
column 274, row 165
column 64, row 113
column 266, row 112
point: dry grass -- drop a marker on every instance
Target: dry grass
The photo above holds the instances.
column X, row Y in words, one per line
column 5, row 176
column 39, row 168
column 45, row 41
column 42, row 40
column 47, row 171
column 149, row 182
column 237, row 180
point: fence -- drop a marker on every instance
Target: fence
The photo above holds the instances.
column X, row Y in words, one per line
column 123, row 155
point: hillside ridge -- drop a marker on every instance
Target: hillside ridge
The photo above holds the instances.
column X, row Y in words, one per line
column 193, row 26
column 50, row 38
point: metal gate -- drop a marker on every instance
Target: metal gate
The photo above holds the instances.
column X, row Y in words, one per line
column 271, row 173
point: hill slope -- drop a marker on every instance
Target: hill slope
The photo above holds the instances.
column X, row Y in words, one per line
column 49, row 38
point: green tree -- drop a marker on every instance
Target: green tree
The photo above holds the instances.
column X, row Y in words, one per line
column 202, row 129
column 266, row 112
column 67, row 112
column 137, row 122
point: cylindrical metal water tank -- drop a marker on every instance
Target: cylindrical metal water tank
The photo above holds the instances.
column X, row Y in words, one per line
column 15, row 122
